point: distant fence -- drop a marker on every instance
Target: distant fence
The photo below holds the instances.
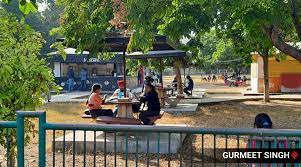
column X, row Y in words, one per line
column 119, row 145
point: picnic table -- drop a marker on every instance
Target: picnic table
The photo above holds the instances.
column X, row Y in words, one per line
column 124, row 115
column 163, row 94
column 125, row 109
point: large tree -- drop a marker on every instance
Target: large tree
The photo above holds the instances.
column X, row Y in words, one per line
column 276, row 18
column 248, row 22
column 24, row 78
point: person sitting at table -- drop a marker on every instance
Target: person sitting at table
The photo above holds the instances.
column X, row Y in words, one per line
column 174, row 84
column 119, row 93
column 95, row 101
column 188, row 86
column 153, row 104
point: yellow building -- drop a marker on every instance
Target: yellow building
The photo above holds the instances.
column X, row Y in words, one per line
column 284, row 76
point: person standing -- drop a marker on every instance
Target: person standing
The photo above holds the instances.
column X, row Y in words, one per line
column 83, row 79
column 70, row 75
column 174, row 85
column 138, row 77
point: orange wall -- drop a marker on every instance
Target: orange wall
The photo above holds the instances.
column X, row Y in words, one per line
column 276, row 70
column 275, row 85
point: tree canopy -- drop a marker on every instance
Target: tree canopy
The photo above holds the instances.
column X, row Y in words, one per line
column 25, row 6
column 276, row 23
column 42, row 21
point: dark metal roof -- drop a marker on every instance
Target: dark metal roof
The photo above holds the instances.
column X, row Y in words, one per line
column 73, row 57
column 156, row 54
column 119, row 43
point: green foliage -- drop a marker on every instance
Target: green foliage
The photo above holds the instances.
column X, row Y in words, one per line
column 84, row 23
column 24, row 78
column 242, row 21
column 25, row 6
column 42, row 21
column 186, row 18
column 245, row 21
column 211, row 51
column 144, row 17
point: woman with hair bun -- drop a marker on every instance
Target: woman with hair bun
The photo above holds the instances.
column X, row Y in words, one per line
column 95, row 101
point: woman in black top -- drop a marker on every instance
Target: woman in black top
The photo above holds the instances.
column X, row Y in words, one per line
column 153, row 104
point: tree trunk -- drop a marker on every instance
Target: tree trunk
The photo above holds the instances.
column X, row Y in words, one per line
column 266, row 78
column 12, row 158
column 178, row 76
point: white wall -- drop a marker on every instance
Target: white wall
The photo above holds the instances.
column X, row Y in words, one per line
column 57, row 69
column 254, row 77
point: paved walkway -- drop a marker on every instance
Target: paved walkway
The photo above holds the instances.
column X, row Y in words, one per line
column 196, row 99
column 70, row 97
column 79, row 96
column 217, row 98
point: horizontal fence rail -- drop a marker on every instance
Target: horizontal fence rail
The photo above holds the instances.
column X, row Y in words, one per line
column 140, row 145
column 196, row 146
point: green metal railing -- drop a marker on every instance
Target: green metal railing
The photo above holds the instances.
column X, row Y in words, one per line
column 7, row 126
column 198, row 146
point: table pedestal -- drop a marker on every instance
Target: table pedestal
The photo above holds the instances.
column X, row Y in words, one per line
column 162, row 95
column 125, row 110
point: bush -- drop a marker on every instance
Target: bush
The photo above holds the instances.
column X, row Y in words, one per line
column 24, row 78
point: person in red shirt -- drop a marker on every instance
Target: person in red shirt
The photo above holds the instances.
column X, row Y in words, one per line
column 95, row 101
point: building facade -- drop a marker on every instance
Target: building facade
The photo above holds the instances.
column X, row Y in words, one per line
column 284, row 76
column 104, row 72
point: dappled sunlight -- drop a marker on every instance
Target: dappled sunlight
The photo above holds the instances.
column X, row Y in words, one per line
column 284, row 114
column 239, row 115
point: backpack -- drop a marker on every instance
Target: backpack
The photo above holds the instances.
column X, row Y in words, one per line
column 263, row 120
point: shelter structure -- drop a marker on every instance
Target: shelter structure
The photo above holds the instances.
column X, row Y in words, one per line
column 118, row 43
column 284, row 76
column 105, row 72
column 157, row 55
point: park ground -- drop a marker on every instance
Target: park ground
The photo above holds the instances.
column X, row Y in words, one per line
column 284, row 114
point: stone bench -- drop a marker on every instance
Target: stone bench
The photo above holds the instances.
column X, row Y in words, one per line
column 86, row 116
column 155, row 118
column 174, row 101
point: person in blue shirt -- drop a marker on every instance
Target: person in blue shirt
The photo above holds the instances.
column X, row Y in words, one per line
column 83, row 78
column 153, row 104
column 70, row 76
column 118, row 94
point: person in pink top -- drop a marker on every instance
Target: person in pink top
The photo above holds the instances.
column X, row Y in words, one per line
column 95, row 101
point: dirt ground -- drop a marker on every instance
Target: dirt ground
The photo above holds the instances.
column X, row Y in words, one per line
column 284, row 114
column 211, row 87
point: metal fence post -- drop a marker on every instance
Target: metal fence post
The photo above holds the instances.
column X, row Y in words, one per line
column 20, row 140
column 42, row 139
